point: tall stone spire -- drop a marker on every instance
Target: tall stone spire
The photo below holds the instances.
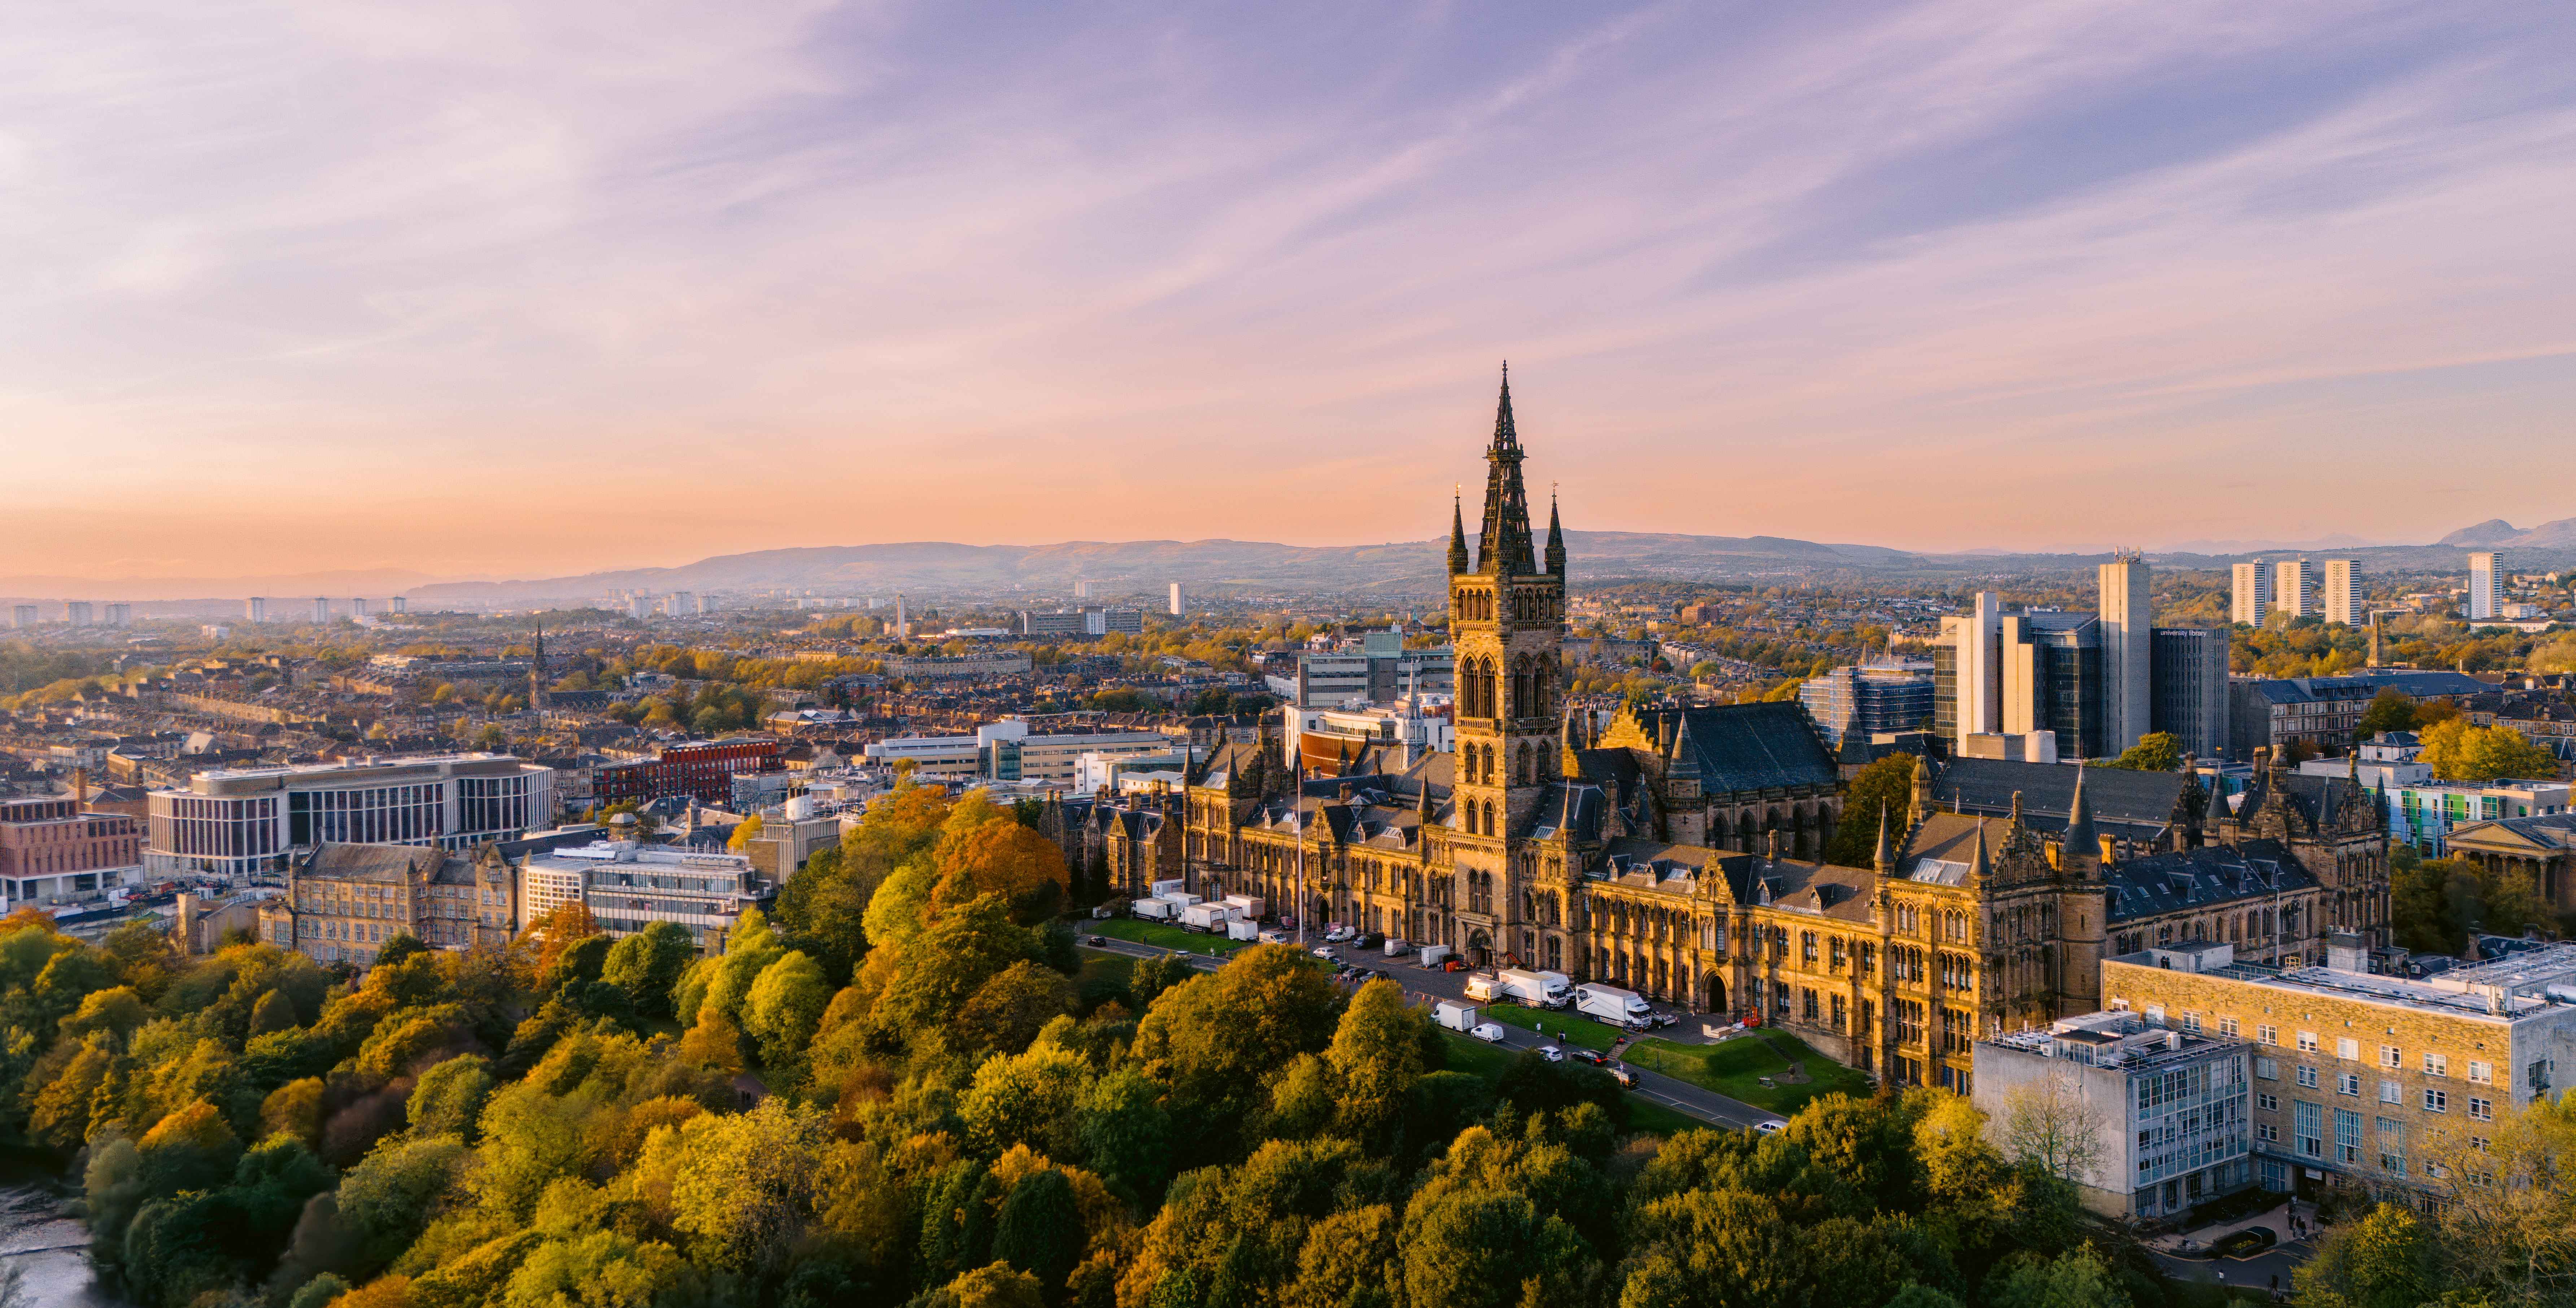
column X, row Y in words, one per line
column 1885, row 859
column 2081, row 842
column 1457, row 536
column 1504, row 546
column 538, row 699
column 1555, row 537
column 1979, row 866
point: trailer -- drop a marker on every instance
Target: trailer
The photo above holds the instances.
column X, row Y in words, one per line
column 1157, row 910
column 1536, row 989
column 1435, row 955
column 1172, row 887
column 1611, row 1004
column 1242, row 929
column 1252, row 905
column 1207, row 917
column 1454, row 1016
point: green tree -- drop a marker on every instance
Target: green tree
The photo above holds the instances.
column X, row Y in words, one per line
column 2156, row 751
column 2389, row 710
column 2079, row 1278
column 785, row 1005
column 2385, row 1260
column 1376, row 1056
column 448, row 1099
column 1039, row 1229
column 1125, row 1132
column 1884, row 787
column 648, row 966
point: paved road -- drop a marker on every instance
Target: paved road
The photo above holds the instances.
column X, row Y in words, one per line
column 2255, row 1273
column 1425, row 985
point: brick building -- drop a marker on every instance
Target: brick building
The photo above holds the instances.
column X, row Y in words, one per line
column 701, row 770
column 51, row 851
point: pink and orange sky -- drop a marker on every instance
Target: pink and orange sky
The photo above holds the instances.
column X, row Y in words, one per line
column 536, row 288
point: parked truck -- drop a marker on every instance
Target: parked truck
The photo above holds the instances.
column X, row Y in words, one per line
column 1536, row 989
column 1484, row 987
column 1611, row 1004
column 1435, row 955
column 1242, row 929
column 1454, row 1015
column 1157, row 909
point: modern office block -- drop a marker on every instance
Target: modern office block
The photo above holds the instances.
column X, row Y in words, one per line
column 2191, row 688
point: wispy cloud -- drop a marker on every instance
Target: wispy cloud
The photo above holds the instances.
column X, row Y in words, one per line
column 449, row 281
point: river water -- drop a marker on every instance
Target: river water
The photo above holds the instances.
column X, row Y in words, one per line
column 39, row 1236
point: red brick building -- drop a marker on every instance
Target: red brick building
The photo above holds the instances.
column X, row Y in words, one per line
column 703, row 770
column 51, row 851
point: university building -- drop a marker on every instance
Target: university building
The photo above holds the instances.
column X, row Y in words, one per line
column 1680, row 851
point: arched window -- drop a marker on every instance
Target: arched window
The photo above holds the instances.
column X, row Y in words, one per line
column 1489, row 817
column 1521, row 763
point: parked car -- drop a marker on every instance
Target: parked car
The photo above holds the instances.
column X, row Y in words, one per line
column 1551, row 1053
column 1592, row 1056
column 1619, row 1072
column 1370, row 940
column 1097, row 941
column 1323, row 953
column 2237, row 1244
column 1489, row 1032
column 1337, row 935
column 1770, row 1126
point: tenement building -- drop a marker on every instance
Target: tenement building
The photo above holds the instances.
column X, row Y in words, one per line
column 1680, row 852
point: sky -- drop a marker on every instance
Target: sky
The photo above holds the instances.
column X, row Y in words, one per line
column 531, row 289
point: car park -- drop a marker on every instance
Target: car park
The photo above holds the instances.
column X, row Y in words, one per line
column 1551, row 1053
column 1489, row 1032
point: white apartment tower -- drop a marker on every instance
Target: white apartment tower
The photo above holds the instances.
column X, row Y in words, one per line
column 1176, row 599
column 2253, row 599
column 401, row 605
column 2128, row 644
column 321, row 609
column 255, row 609
column 2482, row 587
column 2341, row 601
column 76, row 612
column 23, row 616
column 2294, row 587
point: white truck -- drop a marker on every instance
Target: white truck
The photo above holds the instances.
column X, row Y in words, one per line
column 1242, row 929
column 1484, row 987
column 1207, row 917
column 1252, row 905
column 1536, row 989
column 1611, row 1004
column 1435, row 955
column 1172, row 887
column 1156, row 909
column 1454, row 1015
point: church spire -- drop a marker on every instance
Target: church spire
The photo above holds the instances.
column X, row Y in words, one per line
column 1504, row 545
column 1885, row 859
column 1457, row 536
column 1555, row 537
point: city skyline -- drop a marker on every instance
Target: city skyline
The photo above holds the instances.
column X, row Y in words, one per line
column 350, row 289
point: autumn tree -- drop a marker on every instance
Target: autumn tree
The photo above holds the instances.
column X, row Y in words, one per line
column 1884, row 787
column 2458, row 751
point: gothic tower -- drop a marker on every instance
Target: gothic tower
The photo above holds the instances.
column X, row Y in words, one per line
column 537, row 696
column 1506, row 615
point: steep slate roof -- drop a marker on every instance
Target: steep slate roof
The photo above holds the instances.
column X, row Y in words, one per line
column 1752, row 747
column 2363, row 685
column 1572, row 807
column 2136, row 804
column 2209, row 876
column 2315, row 799
column 374, row 862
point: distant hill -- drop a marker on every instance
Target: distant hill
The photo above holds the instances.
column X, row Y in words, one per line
column 2496, row 533
column 1398, row 567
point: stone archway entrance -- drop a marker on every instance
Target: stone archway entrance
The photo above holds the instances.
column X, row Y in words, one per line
column 1480, row 948
column 1716, row 993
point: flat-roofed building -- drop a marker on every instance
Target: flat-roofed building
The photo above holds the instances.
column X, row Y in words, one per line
column 2150, row 1120
column 2363, row 1082
column 242, row 821
column 2250, row 596
column 54, row 852
column 628, row 886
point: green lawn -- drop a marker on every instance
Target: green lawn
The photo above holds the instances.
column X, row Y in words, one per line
column 1161, row 936
column 1562, row 1025
column 1102, row 963
column 1735, row 1068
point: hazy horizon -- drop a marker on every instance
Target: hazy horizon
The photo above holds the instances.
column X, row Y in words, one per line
column 495, row 290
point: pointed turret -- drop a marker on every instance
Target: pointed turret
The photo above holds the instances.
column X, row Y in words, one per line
column 1571, row 763
column 2081, row 842
column 1922, row 791
column 1555, row 537
column 1885, row 859
column 1503, row 547
column 1978, row 864
column 1457, row 536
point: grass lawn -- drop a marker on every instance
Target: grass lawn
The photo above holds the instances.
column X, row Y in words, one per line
column 1735, row 1068
column 1562, row 1025
column 1161, row 936
column 1102, row 963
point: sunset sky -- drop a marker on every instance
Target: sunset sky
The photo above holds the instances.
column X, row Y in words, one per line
column 535, row 288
